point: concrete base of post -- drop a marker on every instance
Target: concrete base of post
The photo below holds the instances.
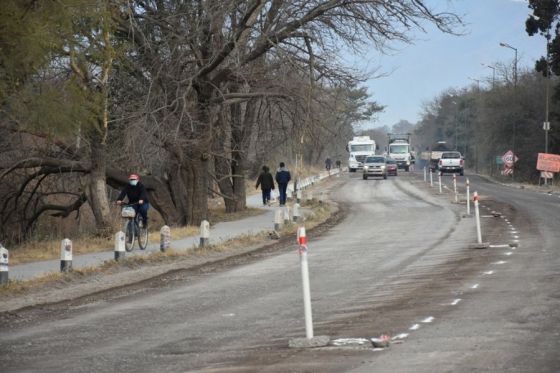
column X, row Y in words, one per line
column 483, row 245
column 204, row 241
column 319, row 341
column 4, row 277
column 513, row 244
column 65, row 265
column 277, row 226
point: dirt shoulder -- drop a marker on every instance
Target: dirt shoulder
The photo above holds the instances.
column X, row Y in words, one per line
column 113, row 279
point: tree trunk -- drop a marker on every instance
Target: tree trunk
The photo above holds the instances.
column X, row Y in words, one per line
column 197, row 189
column 97, row 188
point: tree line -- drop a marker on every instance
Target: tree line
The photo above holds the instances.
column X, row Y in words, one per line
column 192, row 94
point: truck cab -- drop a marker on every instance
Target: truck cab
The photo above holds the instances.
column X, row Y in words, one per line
column 400, row 150
column 360, row 147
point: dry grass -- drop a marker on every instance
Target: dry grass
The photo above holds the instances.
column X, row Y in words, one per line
column 47, row 249
column 319, row 213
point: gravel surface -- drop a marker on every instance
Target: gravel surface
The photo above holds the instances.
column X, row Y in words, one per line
column 397, row 264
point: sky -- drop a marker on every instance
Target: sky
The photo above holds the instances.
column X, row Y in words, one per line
column 418, row 73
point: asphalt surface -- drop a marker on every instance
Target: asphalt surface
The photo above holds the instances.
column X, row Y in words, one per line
column 399, row 264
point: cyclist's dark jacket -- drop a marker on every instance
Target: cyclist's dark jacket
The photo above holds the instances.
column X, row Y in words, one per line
column 134, row 193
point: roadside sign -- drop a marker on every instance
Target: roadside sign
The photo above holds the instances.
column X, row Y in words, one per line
column 499, row 160
column 507, row 171
column 546, row 126
column 509, row 158
column 548, row 162
column 547, row 175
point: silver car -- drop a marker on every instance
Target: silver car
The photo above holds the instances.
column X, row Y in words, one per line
column 375, row 166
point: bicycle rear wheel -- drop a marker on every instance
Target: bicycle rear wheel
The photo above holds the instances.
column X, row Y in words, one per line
column 129, row 235
column 143, row 237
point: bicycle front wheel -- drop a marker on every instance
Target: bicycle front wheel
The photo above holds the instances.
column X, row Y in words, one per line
column 143, row 237
column 129, row 235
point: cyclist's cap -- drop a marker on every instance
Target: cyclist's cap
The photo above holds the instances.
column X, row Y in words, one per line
column 134, row 177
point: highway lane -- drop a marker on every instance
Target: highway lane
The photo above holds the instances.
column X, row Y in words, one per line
column 399, row 255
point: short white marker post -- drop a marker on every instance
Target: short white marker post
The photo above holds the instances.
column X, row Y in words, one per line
column 309, row 195
column 296, row 212
column 66, row 255
column 424, row 173
column 431, row 178
column 4, row 268
column 298, row 196
column 468, row 198
column 164, row 238
column 286, row 214
column 119, row 245
column 302, row 241
column 278, row 219
column 455, row 188
column 439, row 180
column 204, row 233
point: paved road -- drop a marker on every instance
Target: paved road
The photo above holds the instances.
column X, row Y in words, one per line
column 398, row 264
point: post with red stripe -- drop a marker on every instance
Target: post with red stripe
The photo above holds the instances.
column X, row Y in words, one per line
column 439, row 180
column 302, row 241
column 455, row 187
column 477, row 215
column 479, row 244
column 468, row 198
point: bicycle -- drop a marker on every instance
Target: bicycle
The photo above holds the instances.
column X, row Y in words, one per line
column 133, row 228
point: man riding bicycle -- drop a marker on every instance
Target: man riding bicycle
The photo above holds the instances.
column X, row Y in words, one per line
column 137, row 196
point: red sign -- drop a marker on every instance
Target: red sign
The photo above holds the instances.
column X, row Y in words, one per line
column 548, row 162
column 509, row 158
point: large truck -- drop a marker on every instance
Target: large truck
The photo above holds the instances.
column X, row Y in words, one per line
column 360, row 147
column 436, row 151
column 400, row 150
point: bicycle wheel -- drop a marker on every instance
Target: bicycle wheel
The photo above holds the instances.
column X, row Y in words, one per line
column 143, row 237
column 129, row 235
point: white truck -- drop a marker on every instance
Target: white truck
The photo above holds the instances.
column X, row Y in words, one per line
column 400, row 150
column 360, row 147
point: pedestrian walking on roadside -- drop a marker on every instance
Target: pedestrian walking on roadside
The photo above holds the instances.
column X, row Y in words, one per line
column 328, row 164
column 283, row 177
column 266, row 182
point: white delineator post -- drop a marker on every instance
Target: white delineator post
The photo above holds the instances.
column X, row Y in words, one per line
column 468, row 198
column 286, row 214
column 431, row 178
column 66, row 255
column 477, row 216
column 164, row 238
column 455, row 187
column 204, row 233
column 296, row 212
column 298, row 196
column 119, row 245
column 302, row 241
column 439, row 180
column 424, row 173
column 4, row 268
column 278, row 219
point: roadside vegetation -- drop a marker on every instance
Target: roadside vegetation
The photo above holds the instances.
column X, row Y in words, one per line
column 193, row 96
column 318, row 213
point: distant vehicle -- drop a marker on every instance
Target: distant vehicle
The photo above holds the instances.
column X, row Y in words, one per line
column 400, row 150
column 391, row 167
column 435, row 154
column 375, row 166
column 360, row 147
column 451, row 162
